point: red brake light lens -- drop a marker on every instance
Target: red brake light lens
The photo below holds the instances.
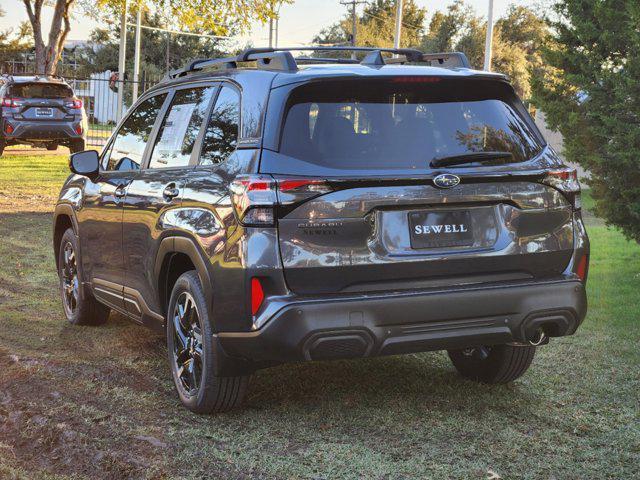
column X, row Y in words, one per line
column 253, row 198
column 582, row 268
column 8, row 128
column 293, row 190
column 257, row 295
column 566, row 181
column 416, row 79
column 79, row 129
column 11, row 102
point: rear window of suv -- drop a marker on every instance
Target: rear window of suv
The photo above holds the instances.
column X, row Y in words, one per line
column 400, row 124
column 41, row 90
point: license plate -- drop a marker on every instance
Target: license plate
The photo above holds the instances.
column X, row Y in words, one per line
column 44, row 112
column 437, row 229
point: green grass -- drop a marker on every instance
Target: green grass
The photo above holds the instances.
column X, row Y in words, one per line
column 81, row 402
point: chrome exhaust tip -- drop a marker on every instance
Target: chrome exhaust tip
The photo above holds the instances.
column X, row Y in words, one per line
column 538, row 338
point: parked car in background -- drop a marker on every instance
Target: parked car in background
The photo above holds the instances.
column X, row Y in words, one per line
column 310, row 209
column 41, row 111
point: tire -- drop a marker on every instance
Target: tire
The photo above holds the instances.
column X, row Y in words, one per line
column 80, row 307
column 3, row 144
column 187, row 319
column 76, row 145
column 52, row 146
column 494, row 364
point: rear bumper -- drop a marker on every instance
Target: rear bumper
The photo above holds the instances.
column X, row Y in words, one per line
column 42, row 130
column 407, row 322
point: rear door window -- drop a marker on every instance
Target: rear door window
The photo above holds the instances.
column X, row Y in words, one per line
column 399, row 125
column 41, row 90
column 221, row 136
column 181, row 127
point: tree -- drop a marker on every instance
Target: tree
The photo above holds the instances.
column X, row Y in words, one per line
column 516, row 39
column 376, row 26
column 591, row 94
column 218, row 17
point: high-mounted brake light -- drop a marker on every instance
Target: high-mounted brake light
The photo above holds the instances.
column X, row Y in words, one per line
column 416, row 79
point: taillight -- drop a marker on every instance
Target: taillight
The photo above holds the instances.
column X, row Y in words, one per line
column 11, row 102
column 257, row 295
column 79, row 129
column 565, row 180
column 75, row 104
column 254, row 198
column 294, row 190
column 8, row 128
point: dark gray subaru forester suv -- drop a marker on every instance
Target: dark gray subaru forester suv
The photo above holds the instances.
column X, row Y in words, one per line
column 263, row 209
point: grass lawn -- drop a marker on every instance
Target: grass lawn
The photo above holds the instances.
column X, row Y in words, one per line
column 87, row 402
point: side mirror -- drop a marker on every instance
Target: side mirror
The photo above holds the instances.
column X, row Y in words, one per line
column 85, row 163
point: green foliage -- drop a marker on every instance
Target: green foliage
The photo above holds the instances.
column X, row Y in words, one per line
column 376, row 26
column 591, row 93
column 515, row 40
column 220, row 17
column 160, row 51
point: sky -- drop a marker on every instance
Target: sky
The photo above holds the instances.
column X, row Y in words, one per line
column 299, row 21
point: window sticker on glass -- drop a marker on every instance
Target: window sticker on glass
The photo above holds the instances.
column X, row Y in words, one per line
column 174, row 130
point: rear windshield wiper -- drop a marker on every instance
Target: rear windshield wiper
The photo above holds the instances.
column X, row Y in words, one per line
column 470, row 157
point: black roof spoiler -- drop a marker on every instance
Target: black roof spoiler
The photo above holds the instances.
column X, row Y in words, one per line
column 281, row 59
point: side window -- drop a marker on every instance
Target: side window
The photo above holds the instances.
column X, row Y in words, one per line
column 221, row 136
column 180, row 127
column 129, row 143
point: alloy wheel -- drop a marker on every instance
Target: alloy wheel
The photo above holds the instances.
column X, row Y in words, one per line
column 70, row 282
column 187, row 344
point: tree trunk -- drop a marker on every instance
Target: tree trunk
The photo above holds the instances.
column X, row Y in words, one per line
column 48, row 55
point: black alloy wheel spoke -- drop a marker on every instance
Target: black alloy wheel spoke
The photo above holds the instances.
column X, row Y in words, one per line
column 188, row 348
column 70, row 283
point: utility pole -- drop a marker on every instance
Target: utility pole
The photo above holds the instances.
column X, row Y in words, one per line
column 396, row 40
column 354, row 18
column 489, row 40
column 136, row 57
column 122, row 57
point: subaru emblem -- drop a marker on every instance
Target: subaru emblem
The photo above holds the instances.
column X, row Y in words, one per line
column 446, row 180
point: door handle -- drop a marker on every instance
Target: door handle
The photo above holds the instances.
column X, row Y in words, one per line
column 171, row 191
column 121, row 190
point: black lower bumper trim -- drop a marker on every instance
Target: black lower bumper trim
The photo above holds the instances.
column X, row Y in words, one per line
column 331, row 328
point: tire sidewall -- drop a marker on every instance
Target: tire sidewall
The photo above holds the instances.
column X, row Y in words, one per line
column 190, row 283
column 70, row 237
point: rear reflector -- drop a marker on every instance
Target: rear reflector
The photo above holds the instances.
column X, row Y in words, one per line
column 257, row 295
column 582, row 267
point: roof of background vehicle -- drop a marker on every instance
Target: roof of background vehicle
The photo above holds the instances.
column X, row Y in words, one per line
column 34, row 79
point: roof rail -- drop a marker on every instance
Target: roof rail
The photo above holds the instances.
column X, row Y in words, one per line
column 281, row 59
